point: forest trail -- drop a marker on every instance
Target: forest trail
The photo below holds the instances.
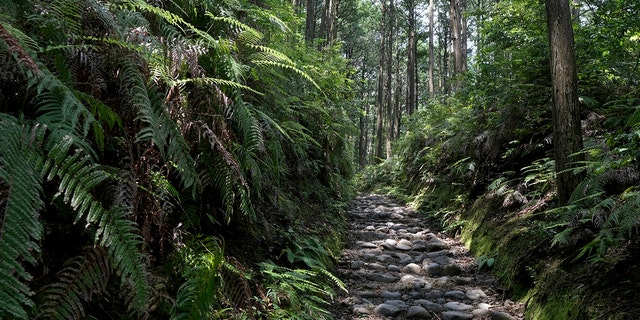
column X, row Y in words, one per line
column 397, row 266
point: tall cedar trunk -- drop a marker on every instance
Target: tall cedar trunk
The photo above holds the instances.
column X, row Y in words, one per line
column 397, row 111
column 567, row 134
column 380, row 92
column 459, row 39
column 443, row 43
column 431, row 60
column 310, row 25
column 328, row 22
column 364, row 136
column 412, row 77
column 388, row 75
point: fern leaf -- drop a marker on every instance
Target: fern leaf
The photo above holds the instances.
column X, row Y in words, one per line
column 254, row 34
column 120, row 236
column 20, row 204
column 197, row 295
column 78, row 177
column 80, row 279
column 289, row 67
column 213, row 81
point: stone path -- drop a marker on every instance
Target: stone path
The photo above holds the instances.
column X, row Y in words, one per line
column 397, row 267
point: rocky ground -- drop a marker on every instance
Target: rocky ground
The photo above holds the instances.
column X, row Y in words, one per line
column 397, row 266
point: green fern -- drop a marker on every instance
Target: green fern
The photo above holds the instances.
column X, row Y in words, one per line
column 78, row 177
column 296, row 293
column 81, row 278
column 20, row 206
column 197, row 296
column 160, row 129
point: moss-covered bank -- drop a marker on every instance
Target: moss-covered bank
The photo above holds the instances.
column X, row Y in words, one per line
column 552, row 282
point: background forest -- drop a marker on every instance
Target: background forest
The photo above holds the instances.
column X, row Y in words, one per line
column 194, row 159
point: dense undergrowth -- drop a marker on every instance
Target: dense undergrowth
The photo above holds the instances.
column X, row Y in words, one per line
column 169, row 160
column 481, row 162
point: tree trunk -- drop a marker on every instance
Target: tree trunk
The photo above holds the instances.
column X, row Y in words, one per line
column 412, row 75
column 431, row 60
column 459, row 39
column 364, row 136
column 443, row 45
column 389, row 76
column 310, row 25
column 380, row 101
column 328, row 22
column 567, row 134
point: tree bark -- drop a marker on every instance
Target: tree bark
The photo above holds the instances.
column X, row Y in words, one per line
column 380, row 98
column 459, row 39
column 567, row 133
column 444, row 53
column 389, row 76
column 310, row 23
column 363, row 142
column 431, row 60
column 412, row 75
column 328, row 22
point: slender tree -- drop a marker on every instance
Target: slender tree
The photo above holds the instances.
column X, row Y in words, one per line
column 310, row 25
column 459, row 38
column 431, row 60
column 380, row 95
column 388, row 88
column 412, row 74
column 328, row 22
column 567, row 134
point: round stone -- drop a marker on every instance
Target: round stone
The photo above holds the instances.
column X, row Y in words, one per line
column 418, row 312
column 475, row 294
column 457, row 306
column 387, row 310
column 454, row 295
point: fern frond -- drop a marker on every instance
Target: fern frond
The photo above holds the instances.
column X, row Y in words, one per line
column 250, row 32
column 234, row 285
column 269, row 16
column 23, row 46
column 269, row 54
column 121, row 238
column 303, row 291
column 78, row 177
column 207, row 81
column 66, row 14
column 198, row 294
column 174, row 20
column 160, row 129
column 80, row 279
column 226, row 174
column 289, row 67
column 20, row 204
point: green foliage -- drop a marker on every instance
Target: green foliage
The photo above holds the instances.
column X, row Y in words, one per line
column 297, row 293
column 196, row 297
column 78, row 282
column 21, row 202
column 486, row 262
column 310, row 251
column 143, row 122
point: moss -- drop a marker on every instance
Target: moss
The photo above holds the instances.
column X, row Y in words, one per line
column 511, row 239
column 552, row 283
column 560, row 305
